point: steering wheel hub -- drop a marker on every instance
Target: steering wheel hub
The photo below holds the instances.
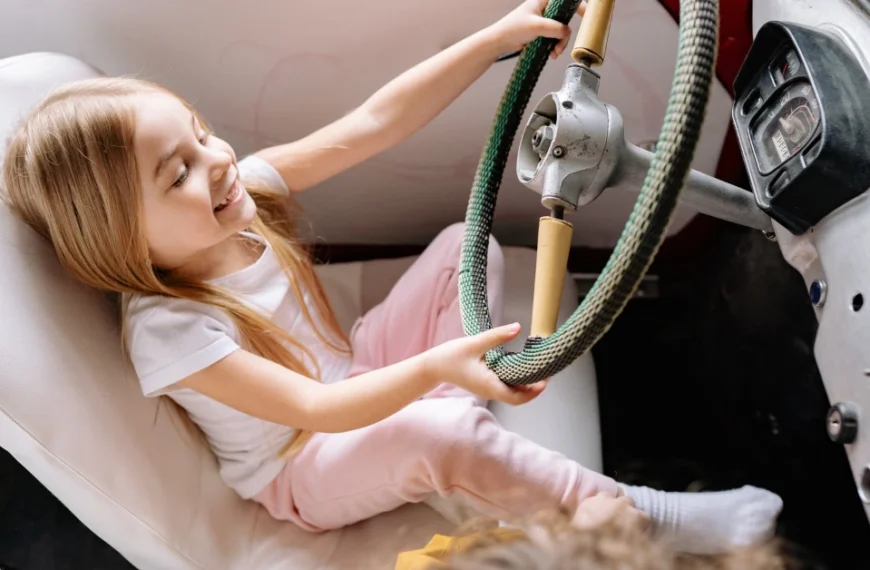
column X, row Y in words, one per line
column 572, row 170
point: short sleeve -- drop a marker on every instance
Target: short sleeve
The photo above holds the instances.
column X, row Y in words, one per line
column 171, row 339
column 258, row 169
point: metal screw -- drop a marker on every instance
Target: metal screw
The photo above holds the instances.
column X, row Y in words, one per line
column 842, row 423
column 818, row 292
column 559, row 152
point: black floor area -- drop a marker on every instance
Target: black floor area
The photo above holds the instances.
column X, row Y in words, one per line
column 38, row 533
column 712, row 385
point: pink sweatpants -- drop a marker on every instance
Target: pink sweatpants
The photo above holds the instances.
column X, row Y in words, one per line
column 446, row 443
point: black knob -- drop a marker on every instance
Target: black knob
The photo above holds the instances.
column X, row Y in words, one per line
column 843, row 423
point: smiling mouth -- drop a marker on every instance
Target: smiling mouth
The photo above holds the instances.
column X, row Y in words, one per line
column 233, row 195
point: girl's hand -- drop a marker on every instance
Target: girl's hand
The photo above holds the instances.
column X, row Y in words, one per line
column 461, row 362
column 526, row 24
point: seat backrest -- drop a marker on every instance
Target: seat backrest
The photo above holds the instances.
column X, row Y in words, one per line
column 72, row 414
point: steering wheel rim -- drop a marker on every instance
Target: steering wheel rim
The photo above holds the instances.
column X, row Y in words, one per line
column 645, row 230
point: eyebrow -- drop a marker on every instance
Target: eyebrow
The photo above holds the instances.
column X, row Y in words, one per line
column 166, row 157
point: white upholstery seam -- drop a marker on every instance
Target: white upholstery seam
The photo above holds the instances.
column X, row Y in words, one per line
column 99, row 490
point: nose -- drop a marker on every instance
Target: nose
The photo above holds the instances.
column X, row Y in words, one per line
column 218, row 163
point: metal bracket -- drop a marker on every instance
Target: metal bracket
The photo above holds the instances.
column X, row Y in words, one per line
column 573, row 147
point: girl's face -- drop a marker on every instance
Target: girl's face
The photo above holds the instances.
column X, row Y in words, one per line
column 192, row 198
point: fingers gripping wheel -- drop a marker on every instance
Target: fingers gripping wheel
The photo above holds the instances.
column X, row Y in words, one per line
column 645, row 230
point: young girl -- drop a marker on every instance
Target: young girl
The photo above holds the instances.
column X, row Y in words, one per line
column 225, row 316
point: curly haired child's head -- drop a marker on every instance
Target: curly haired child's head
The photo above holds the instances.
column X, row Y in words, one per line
column 553, row 542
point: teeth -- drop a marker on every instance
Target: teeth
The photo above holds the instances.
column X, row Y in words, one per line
column 229, row 197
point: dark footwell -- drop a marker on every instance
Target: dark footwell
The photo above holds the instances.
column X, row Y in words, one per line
column 722, row 390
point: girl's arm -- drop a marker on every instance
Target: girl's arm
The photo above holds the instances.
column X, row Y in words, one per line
column 409, row 102
column 261, row 388
column 264, row 389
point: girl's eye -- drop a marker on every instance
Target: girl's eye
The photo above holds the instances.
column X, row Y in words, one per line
column 203, row 140
column 181, row 178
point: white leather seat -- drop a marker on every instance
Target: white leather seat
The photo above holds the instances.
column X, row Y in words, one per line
column 72, row 414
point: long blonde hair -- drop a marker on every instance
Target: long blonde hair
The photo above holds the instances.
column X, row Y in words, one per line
column 70, row 174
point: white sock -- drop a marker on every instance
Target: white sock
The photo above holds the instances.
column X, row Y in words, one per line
column 709, row 523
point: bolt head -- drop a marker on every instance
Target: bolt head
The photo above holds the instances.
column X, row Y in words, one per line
column 542, row 139
column 842, row 423
column 818, row 292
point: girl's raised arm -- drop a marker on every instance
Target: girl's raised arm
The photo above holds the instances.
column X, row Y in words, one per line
column 409, row 102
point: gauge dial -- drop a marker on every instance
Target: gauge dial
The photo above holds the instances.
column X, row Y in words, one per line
column 785, row 126
column 785, row 67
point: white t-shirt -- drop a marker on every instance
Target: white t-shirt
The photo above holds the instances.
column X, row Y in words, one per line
column 170, row 339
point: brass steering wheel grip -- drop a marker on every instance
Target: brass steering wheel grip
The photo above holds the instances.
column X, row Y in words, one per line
column 555, row 233
column 591, row 42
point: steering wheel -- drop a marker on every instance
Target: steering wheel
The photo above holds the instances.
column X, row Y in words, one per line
column 544, row 356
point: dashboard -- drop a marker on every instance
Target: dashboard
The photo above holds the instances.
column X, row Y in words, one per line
column 801, row 116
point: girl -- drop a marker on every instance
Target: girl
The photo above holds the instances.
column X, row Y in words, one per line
column 223, row 312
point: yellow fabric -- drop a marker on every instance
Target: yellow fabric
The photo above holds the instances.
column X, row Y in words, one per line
column 440, row 547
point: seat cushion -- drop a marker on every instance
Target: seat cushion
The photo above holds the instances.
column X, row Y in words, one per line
column 72, row 414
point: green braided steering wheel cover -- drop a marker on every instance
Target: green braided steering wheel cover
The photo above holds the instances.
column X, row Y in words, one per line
column 646, row 227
